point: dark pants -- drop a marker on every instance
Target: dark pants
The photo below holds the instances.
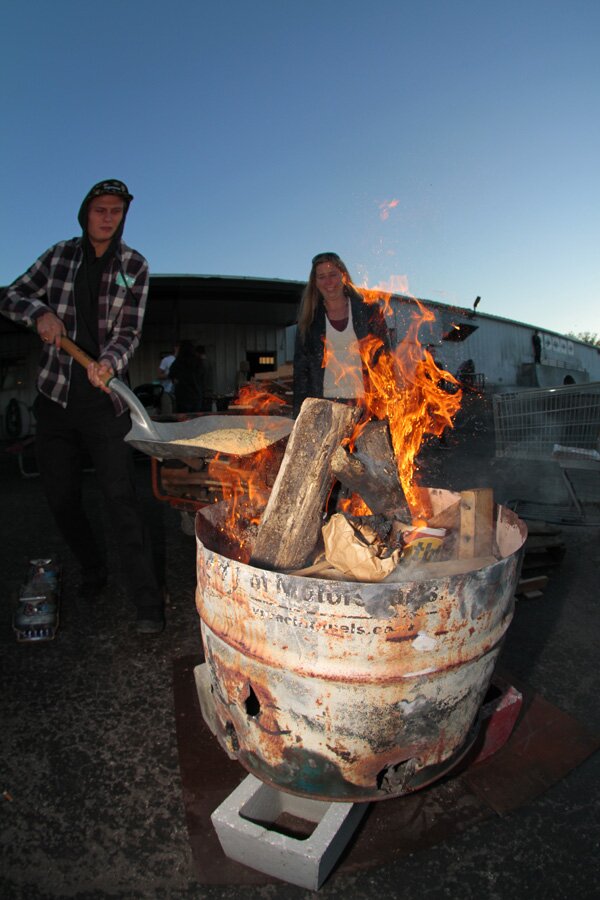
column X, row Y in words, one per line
column 63, row 436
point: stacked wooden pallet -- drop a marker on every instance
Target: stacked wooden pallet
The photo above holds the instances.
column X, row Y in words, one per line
column 544, row 552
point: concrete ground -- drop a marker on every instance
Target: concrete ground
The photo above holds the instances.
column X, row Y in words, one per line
column 92, row 803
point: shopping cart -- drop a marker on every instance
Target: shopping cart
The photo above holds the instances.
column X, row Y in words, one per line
column 557, row 424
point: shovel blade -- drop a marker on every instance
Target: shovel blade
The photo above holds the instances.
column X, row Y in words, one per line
column 210, row 433
column 142, row 425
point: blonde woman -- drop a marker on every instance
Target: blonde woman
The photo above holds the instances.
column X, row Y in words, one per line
column 333, row 319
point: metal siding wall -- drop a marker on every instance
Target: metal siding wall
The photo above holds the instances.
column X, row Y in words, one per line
column 494, row 348
column 500, row 349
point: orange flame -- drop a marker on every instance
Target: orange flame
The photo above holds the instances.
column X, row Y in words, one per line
column 259, row 400
column 406, row 387
column 244, row 487
column 354, row 506
column 243, row 480
column 384, row 292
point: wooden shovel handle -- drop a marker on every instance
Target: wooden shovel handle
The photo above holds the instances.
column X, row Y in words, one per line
column 79, row 355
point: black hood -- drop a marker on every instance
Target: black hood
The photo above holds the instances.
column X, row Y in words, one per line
column 110, row 186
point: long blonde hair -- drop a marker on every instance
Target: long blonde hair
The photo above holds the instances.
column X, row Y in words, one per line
column 311, row 294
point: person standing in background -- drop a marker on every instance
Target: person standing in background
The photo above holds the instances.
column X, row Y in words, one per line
column 207, row 379
column 333, row 313
column 163, row 370
column 536, row 343
column 187, row 375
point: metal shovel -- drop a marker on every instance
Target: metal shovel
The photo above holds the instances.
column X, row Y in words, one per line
column 160, row 438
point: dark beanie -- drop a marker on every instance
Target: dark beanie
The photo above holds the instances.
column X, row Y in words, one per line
column 111, row 186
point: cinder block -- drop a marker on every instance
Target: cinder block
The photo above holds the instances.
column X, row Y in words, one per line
column 243, row 821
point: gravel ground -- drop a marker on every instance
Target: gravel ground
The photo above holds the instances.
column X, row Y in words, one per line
column 92, row 791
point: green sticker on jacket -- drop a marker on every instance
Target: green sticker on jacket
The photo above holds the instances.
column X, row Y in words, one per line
column 125, row 280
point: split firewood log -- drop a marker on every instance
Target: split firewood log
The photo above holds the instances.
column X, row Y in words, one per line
column 290, row 527
column 476, row 523
column 370, row 470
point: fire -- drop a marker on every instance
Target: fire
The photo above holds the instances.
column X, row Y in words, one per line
column 244, row 480
column 354, row 506
column 383, row 293
column 406, row 387
column 257, row 399
column 244, row 486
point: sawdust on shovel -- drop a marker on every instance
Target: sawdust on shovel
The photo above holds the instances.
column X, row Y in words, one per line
column 235, row 441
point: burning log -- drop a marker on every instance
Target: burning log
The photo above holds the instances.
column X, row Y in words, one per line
column 290, row 526
column 211, row 529
column 371, row 471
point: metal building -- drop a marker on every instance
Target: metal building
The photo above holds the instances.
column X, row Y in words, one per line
column 252, row 320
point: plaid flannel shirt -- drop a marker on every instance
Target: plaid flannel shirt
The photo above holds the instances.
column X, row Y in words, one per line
column 48, row 285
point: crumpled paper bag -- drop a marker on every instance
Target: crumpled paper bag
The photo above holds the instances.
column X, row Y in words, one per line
column 357, row 552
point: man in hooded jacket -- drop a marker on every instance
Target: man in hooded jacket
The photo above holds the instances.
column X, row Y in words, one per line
column 92, row 289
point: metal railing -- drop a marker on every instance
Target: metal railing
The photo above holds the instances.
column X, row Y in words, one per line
column 531, row 424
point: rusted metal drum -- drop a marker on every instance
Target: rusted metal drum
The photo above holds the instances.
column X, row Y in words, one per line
column 349, row 691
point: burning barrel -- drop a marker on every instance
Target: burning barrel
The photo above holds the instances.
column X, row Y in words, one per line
column 351, row 691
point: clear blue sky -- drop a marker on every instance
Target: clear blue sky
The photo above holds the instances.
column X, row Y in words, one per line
column 255, row 133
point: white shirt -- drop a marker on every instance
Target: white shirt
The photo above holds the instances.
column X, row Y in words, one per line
column 343, row 377
column 165, row 365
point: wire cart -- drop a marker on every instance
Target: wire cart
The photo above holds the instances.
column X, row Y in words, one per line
column 555, row 424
